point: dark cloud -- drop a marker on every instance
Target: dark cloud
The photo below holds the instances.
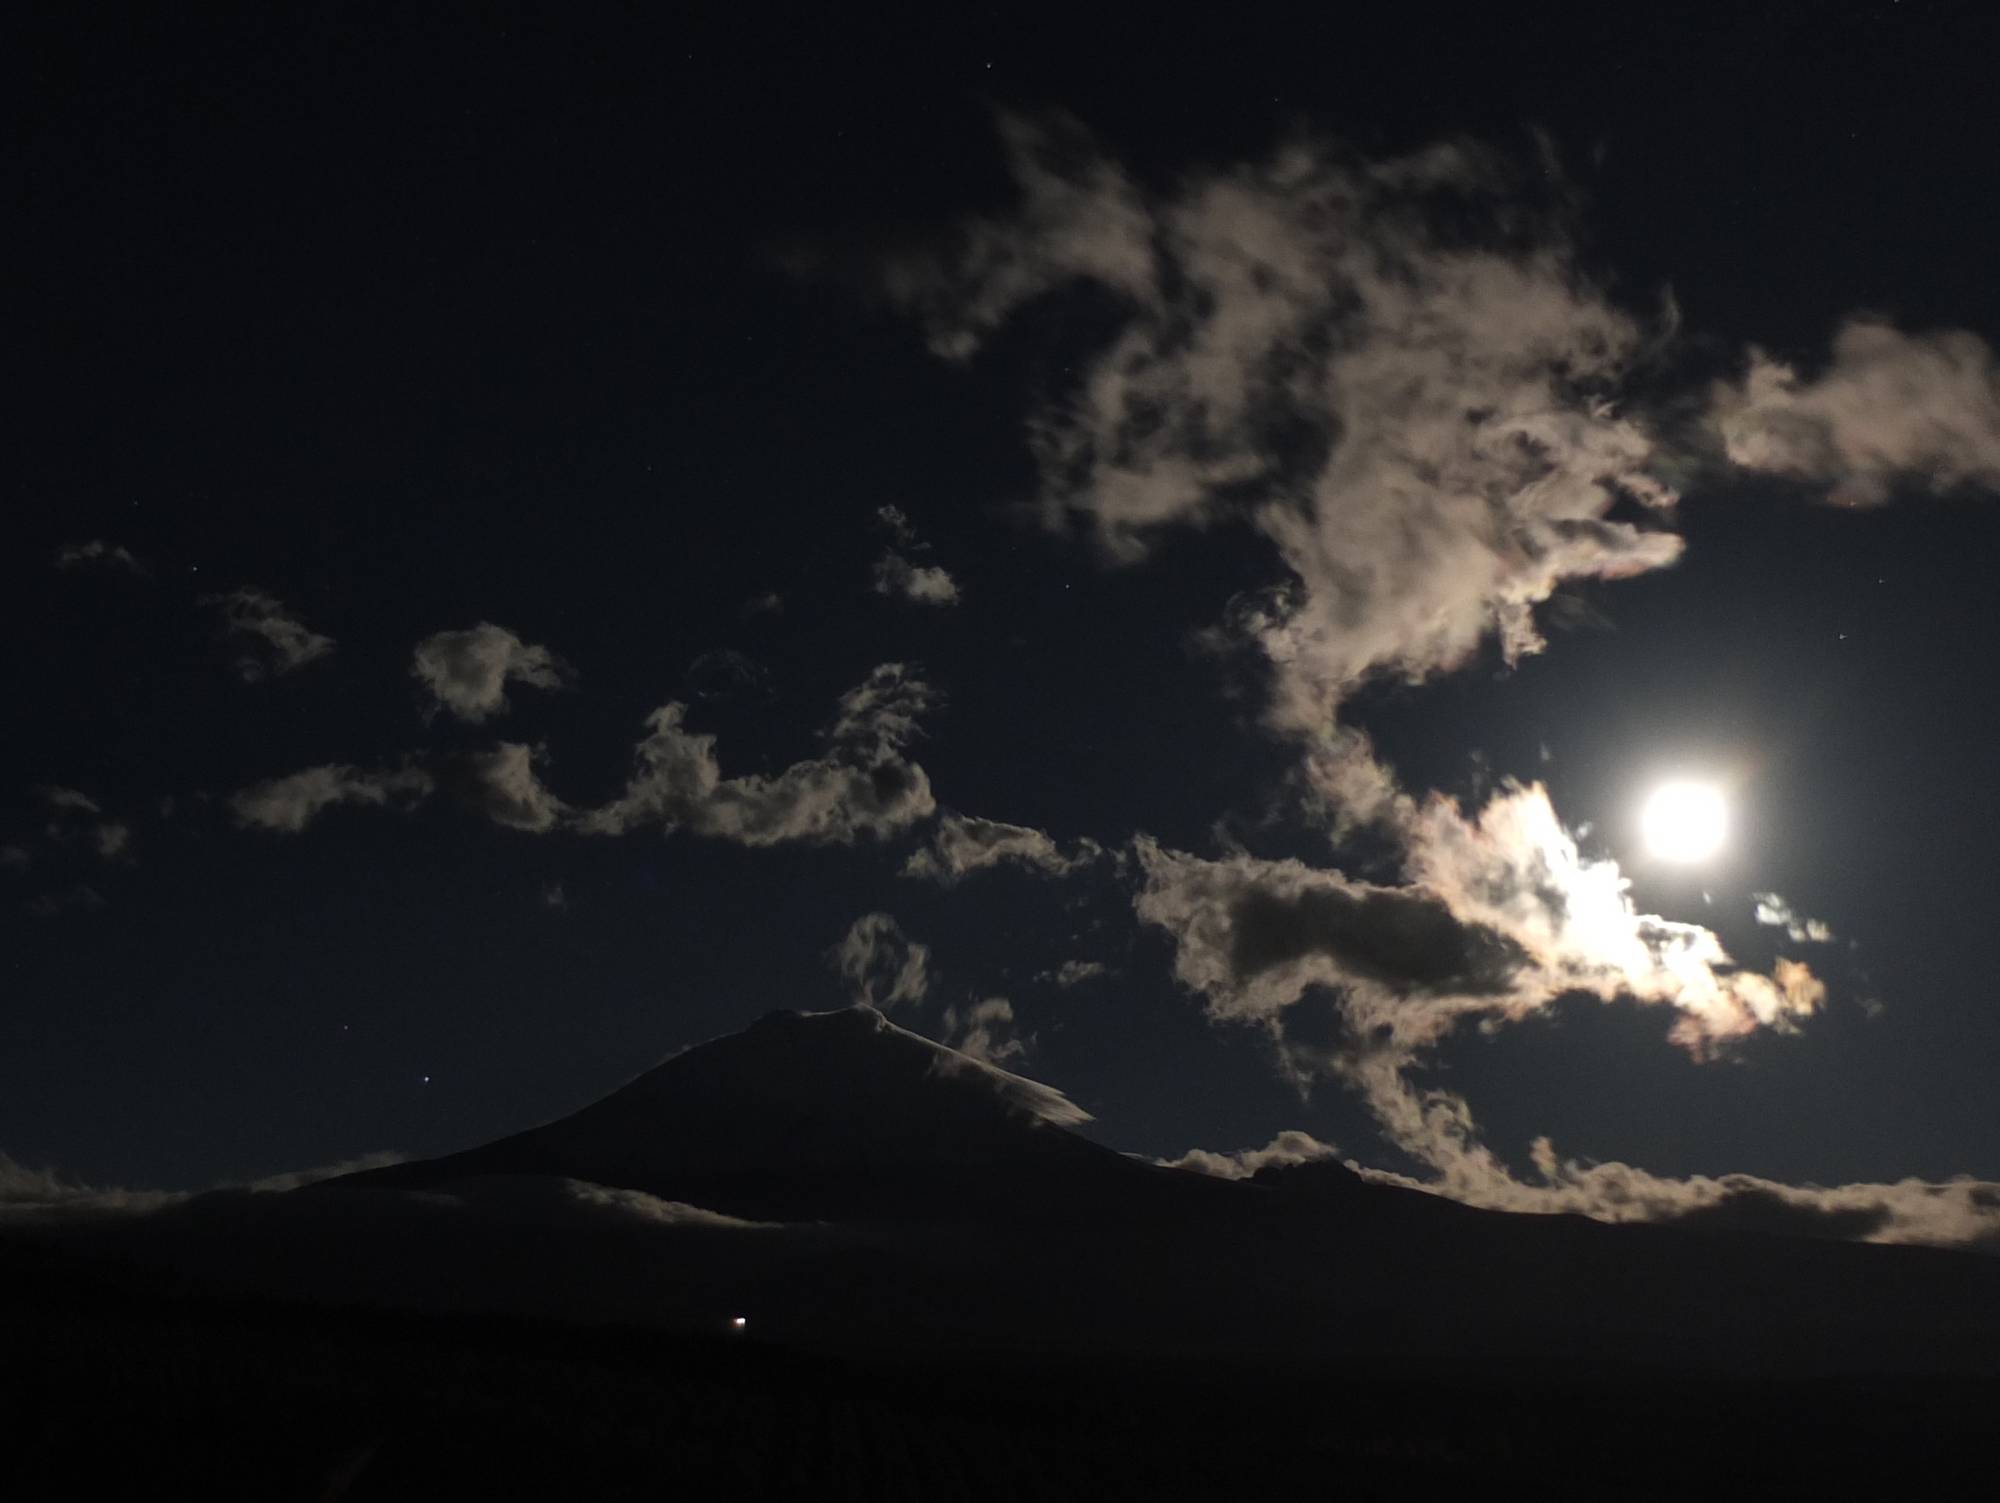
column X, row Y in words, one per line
column 99, row 554
column 1765, row 1210
column 467, row 672
column 270, row 641
column 1401, row 939
column 1074, row 973
column 77, row 818
column 727, row 674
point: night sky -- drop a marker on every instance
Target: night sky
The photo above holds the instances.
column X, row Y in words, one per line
column 1142, row 437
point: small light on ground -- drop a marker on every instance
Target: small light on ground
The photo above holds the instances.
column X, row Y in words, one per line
column 739, row 1323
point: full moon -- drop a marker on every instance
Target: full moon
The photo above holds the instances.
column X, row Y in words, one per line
column 1684, row 822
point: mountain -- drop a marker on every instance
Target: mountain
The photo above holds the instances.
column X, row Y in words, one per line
column 843, row 1186
column 805, row 1115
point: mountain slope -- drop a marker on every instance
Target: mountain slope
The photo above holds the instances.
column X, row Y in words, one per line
column 828, row 1113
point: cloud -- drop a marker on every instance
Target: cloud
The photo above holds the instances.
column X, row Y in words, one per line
column 99, row 554
column 295, row 1179
column 984, row 1030
column 1775, row 913
column 76, row 816
column 895, row 574
column 963, row 844
column 1501, row 917
column 15, row 858
column 1074, row 972
column 925, row 584
column 896, row 522
column 77, row 898
column 467, row 672
column 1437, row 1128
column 501, row 784
column 288, row 804
column 863, row 785
column 270, row 640
column 1289, row 1147
column 41, row 1194
column 1394, row 371
column 726, row 674
column 1890, row 409
column 883, row 966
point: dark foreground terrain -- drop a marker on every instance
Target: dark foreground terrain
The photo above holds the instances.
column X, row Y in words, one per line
column 118, row 1390
column 949, row 1294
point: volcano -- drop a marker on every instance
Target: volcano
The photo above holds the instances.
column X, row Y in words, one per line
column 808, row 1115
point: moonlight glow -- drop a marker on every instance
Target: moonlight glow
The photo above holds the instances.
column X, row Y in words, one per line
column 1684, row 822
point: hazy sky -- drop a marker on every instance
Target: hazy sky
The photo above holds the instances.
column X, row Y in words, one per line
column 1171, row 562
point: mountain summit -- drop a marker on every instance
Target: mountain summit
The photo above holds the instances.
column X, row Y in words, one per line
column 799, row 1111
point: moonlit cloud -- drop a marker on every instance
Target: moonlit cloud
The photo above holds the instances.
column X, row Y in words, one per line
column 1420, row 419
column 863, row 785
column 1289, row 1147
column 76, row 817
column 897, row 575
column 99, row 554
column 925, row 584
column 501, row 784
column 883, row 966
column 1774, row 912
column 271, row 642
column 467, row 672
column 963, row 844
column 288, row 804
column 1502, row 916
column 1889, row 409
column 1074, row 973
column 1437, row 1128
column 984, row 1030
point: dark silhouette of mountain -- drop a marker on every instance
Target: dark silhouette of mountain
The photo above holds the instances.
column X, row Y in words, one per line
column 842, row 1185
column 826, row 1257
column 806, row 1115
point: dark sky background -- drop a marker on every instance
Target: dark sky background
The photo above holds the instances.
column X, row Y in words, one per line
column 419, row 317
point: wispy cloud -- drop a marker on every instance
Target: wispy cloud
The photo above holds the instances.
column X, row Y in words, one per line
column 1414, row 403
column 271, row 642
column 898, row 575
column 863, row 785
column 1889, row 409
column 984, row 1030
column 287, row 805
column 1437, row 1128
column 963, row 844
column 1074, row 973
column 1289, row 1147
column 1774, row 912
column 99, row 554
column 467, row 672
column 881, row 965
column 1502, row 917
column 501, row 783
